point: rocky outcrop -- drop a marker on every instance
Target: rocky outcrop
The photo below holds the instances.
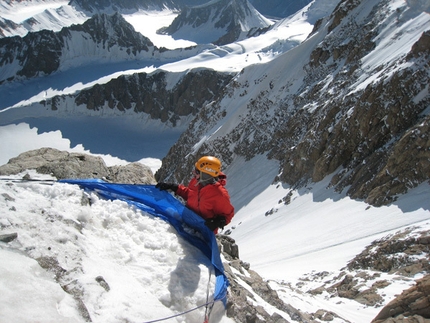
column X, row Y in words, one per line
column 413, row 305
column 65, row 165
column 377, row 136
column 240, row 301
column 402, row 256
column 120, row 5
column 371, row 137
column 151, row 94
column 397, row 254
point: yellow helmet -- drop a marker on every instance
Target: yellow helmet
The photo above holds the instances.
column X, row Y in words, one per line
column 209, row 165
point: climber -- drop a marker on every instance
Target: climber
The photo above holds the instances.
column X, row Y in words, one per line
column 206, row 194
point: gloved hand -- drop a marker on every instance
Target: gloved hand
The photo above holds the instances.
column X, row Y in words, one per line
column 216, row 222
column 167, row 186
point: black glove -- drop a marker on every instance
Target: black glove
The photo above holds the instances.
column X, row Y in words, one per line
column 167, row 186
column 217, row 222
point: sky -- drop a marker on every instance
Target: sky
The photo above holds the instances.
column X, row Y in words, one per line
column 142, row 257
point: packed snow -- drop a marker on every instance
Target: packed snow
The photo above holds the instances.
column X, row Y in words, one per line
column 151, row 272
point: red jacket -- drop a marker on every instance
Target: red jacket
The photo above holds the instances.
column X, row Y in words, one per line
column 208, row 201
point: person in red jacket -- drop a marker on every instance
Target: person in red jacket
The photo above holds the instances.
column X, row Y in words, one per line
column 206, row 194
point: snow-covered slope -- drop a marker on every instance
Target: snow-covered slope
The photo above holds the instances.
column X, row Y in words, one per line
column 285, row 99
column 220, row 22
column 78, row 257
column 279, row 8
column 102, row 37
column 37, row 15
column 312, row 107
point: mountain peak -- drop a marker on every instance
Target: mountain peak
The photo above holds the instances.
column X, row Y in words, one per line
column 120, row 5
column 218, row 21
column 111, row 35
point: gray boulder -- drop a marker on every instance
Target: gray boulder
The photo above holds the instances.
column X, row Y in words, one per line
column 62, row 165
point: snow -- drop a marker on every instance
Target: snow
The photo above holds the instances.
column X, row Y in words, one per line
column 393, row 42
column 53, row 15
column 148, row 22
column 18, row 11
column 152, row 273
column 313, row 212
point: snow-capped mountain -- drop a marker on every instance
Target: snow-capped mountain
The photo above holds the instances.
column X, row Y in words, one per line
column 18, row 18
column 279, row 8
column 101, row 39
column 322, row 124
column 118, row 5
column 345, row 103
column 220, row 21
column 44, row 52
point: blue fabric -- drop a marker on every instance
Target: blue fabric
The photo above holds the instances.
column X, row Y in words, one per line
column 163, row 205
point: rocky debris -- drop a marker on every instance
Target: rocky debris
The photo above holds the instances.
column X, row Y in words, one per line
column 241, row 302
column 402, row 255
column 51, row 264
column 65, row 165
column 103, row 283
column 413, row 305
column 229, row 247
column 351, row 287
column 398, row 254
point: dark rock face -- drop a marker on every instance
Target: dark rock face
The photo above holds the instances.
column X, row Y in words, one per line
column 150, row 94
column 7, row 25
column 373, row 140
column 37, row 53
column 382, row 145
column 65, row 165
column 397, row 254
column 40, row 53
column 120, row 5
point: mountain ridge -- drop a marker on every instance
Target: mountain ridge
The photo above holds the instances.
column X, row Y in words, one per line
column 226, row 21
column 343, row 114
column 364, row 280
column 309, row 129
column 44, row 52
